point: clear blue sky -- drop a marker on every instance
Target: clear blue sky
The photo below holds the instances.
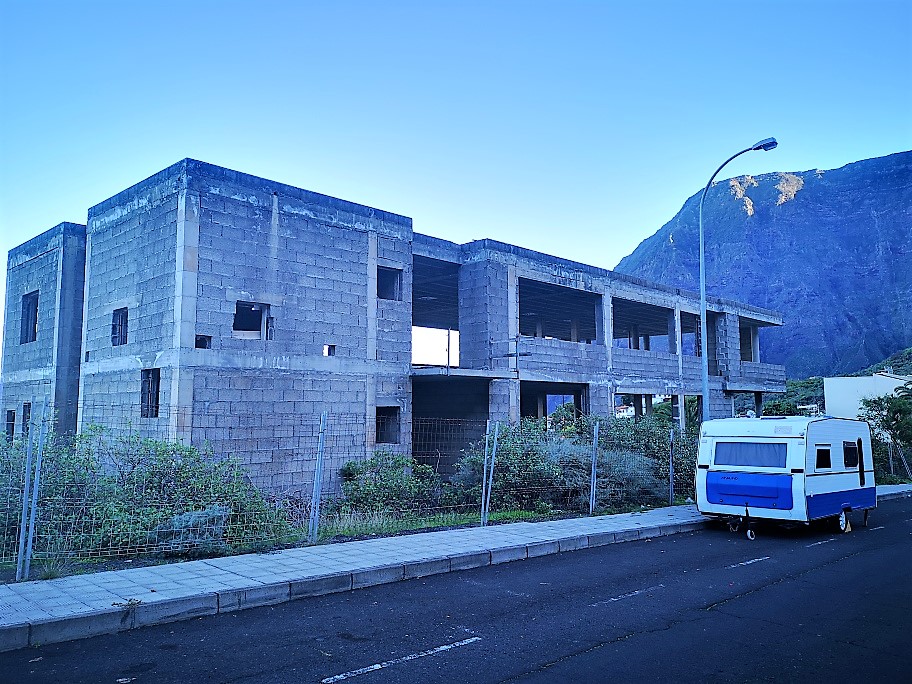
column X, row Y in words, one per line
column 574, row 128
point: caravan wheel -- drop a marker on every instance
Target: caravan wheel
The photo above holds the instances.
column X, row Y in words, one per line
column 842, row 521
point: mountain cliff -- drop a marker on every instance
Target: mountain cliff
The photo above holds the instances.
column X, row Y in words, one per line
column 831, row 250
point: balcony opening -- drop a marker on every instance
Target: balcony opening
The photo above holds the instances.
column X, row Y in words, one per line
column 638, row 325
column 560, row 313
column 541, row 399
column 435, row 312
column 749, row 332
column 448, row 416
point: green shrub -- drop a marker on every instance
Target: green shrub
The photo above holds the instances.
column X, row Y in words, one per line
column 387, row 482
column 105, row 495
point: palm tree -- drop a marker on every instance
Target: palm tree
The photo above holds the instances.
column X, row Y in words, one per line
column 905, row 391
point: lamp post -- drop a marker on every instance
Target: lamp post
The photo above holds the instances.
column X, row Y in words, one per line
column 766, row 144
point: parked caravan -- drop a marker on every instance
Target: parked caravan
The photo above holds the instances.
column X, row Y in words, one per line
column 792, row 470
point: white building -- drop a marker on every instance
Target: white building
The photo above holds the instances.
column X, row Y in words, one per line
column 843, row 395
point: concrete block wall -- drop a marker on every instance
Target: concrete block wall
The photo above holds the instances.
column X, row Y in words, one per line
column 45, row 371
column 484, row 323
column 132, row 263
column 728, row 345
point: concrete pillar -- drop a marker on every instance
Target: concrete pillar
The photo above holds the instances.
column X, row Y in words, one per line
column 758, row 403
column 755, row 344
column 646, row 342
column 637, row 405
column 648, row 398
column 503, row 403
column 635, row 336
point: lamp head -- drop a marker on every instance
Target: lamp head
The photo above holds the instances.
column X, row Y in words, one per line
column 766, row 144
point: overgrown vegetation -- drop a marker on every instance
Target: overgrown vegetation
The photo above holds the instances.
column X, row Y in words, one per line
column 542, row 468
column 105, row 495
column 890, row 418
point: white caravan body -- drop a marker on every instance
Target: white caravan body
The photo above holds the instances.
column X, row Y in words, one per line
column 793, row 469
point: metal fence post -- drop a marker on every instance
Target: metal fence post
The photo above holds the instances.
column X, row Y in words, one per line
column 35, row 486
column 486, row 505
column 671, row 467
column 314, row 526
column 484, row 473
column 595, row 439
column 26, row 498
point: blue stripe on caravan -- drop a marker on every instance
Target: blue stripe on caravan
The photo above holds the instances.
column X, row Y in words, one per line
column 751, row 490
column 831, row 503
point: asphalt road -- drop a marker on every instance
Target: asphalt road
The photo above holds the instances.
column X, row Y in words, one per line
column 793, row 605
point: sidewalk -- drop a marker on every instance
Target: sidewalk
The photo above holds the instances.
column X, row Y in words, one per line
column 34, row 613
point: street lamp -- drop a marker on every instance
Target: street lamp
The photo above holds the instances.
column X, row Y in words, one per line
column 766, row 144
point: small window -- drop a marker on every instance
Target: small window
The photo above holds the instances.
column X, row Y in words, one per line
column 757, row 454
column 29, row 329
column 823, row 458
column 850, row 454
column 204, row 342
column 387, row 425
column 119, row 327
column 10, row 425
column 329, row 350
column 250, row 319
column 26, row 418
column 151, row 382
column 389, row 283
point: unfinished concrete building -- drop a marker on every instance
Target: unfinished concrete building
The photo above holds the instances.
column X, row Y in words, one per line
column 214, row 302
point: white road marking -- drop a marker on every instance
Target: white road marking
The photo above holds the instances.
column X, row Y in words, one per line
column 825, row 541
column 877, row 528
column 396, row 661
column 627, row 595
column 754, row 560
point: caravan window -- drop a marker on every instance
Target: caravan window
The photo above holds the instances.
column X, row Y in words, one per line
column 823, row 458
column 850, row 454
column 758, row 454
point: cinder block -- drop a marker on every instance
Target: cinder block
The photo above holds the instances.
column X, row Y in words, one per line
column 374, row 576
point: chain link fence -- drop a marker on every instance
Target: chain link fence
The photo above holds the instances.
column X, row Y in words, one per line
column 210, row 483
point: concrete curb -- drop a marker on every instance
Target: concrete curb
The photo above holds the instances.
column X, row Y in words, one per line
column 85, row 625
column 140, row 614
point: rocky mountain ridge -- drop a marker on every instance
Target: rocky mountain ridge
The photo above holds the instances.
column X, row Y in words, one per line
column 829, row 249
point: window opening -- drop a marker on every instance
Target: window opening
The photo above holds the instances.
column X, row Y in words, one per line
column 387, row 425
column 823, row 459
column 119, row 327
column 29, row 329
column 250, row 320
column 26, row 418
column 10, row 425
column 329, row 350
column 203, row 342
column 756, row 454
column 151, row 383
column 389, row 283
column 850, row 454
